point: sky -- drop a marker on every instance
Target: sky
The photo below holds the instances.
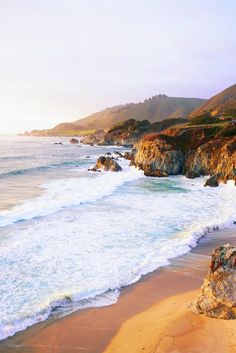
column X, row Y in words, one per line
column 61, row 60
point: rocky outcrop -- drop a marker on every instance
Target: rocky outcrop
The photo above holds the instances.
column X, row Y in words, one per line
column 191, row 151
column 153, row 172
column 96, row 138
column 158, row 157
column 74, row 141
column 216, row 158
column 107, row 164
column 212, row 181
column 129, row 132
column 218, row 293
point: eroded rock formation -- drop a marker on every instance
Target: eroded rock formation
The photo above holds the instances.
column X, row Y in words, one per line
column 106, row 163
column 191, row 151
column 218, row 293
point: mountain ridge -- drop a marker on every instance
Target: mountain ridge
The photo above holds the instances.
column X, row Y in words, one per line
column 154, row 109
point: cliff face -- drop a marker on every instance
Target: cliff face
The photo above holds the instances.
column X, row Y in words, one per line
column 187, row 150
column 215, row 157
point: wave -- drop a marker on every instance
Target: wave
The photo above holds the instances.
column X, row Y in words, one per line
column 65, row 304
column 60, row 307
column 39, row 169
column 65, row 193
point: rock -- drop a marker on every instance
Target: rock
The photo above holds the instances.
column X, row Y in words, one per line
column 218, row 293
column 128, row 155
column 119, row 154
column 108, row 164
column 87, row 157
column 94, row 169
column 152, row 172
column 191, row 174
column 108, row 153
column 212, row 181
column 74, row 141
column 192, row 151
column 158, row 156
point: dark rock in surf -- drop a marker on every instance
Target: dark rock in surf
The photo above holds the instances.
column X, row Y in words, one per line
column 74, row 141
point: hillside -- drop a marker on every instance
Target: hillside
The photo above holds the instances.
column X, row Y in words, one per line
column 154, row 109
column 224, row 103
column 129, row 132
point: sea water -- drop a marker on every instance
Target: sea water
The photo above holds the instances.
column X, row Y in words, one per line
column 70, row 239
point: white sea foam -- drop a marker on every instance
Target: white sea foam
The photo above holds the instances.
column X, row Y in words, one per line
column 82, row 256
column 86, row 237
column 69, row 192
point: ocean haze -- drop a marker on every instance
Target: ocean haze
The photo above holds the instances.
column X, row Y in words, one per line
column 64, row 60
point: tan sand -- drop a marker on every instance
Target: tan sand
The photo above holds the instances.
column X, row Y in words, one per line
column 91, row 330
column 171, row 327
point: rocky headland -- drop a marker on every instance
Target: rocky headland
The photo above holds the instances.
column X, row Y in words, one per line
column 192, row 151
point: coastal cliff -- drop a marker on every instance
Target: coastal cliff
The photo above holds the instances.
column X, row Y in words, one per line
column 191, row 151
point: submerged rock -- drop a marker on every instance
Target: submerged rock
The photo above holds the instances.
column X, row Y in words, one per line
column 107, row 163
column 218, row 293
column 94, row 169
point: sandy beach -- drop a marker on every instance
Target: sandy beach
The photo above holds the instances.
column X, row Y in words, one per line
column 148, row 312
column 170, row 327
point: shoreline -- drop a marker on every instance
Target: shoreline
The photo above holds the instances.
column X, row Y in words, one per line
column 92, row 329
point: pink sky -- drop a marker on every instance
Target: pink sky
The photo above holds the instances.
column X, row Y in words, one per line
column 63, row 59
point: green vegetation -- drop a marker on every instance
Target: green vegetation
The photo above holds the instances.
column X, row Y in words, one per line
column 205, row 119
column 78, row 132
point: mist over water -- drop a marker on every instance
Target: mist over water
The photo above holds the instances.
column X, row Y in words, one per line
column 71, row 239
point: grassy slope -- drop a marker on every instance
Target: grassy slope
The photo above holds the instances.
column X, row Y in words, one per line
column 153, row 109
column 222, row 103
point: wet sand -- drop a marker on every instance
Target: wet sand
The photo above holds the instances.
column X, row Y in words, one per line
column 92, row 330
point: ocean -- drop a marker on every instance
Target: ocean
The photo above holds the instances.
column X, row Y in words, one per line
column 71, row 239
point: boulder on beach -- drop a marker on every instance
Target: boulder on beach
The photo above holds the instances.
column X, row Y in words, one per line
column 218, row 293
column 74, row 141
column 107, row 163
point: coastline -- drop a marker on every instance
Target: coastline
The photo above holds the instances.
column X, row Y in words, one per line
column 91, row 330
